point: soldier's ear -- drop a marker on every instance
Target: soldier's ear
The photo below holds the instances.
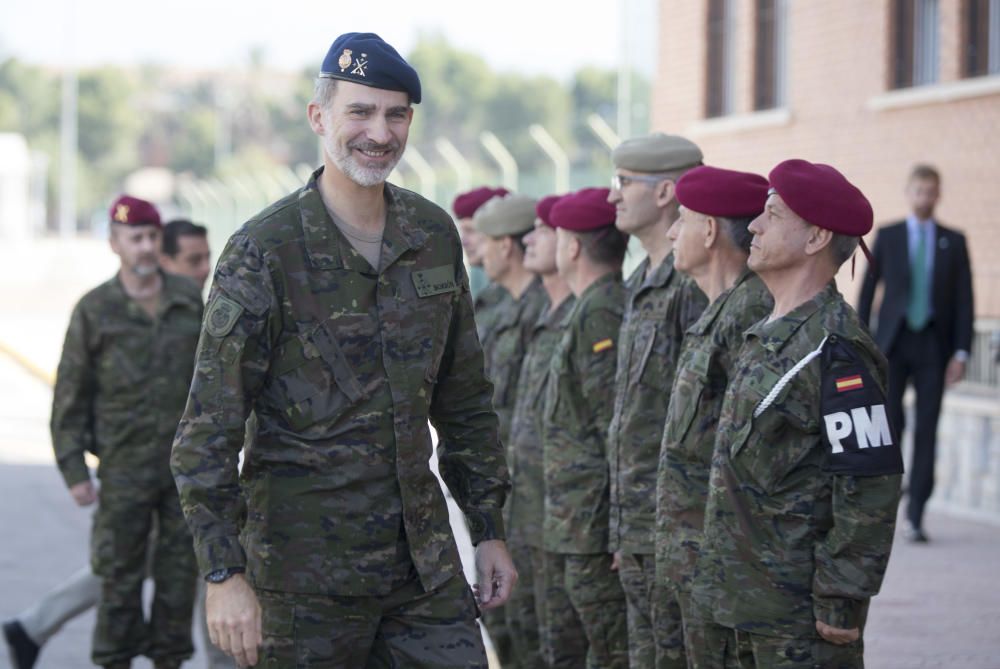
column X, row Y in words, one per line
column 665, row 192
column 315, row 114
column 818, row 239
column 711, row 231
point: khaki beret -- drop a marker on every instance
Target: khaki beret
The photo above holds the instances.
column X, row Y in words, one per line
column 656, row 153
column 506, row 216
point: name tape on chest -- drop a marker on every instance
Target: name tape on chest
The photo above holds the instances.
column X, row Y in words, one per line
column 434, row 281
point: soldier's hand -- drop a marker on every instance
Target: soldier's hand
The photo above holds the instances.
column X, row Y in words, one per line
column 616, row 561
column 233, row 614
column 837, row 635
column 84, row 493
column 495, row 572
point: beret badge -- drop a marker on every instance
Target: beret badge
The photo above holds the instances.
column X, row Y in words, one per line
column 121, row 213
column 345, row 60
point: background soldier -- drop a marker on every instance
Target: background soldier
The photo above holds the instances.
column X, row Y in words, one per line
column 120, row 390
column 660, row 305
column 795, row 498
column 502, row 224
column 585, row 607
column 341, row 315
column 185, row 251
column 711, row 243
column 526, row 508
column 488, row 297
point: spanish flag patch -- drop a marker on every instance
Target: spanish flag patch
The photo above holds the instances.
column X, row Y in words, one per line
column 849, row 383
column 603, row 345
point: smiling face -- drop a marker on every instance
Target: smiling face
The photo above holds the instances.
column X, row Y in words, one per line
column 363, row 130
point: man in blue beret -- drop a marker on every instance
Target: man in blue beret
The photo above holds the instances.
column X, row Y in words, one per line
column 341, row 316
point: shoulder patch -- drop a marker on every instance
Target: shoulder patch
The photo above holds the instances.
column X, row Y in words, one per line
column 603, row 345
column 856, row 428
column 434, row 281
column 222, row 316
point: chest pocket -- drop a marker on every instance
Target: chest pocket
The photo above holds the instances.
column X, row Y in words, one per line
column 122, row 359
column 657, row 351
column 315, row 378
column 692, row 385
column 773, row 444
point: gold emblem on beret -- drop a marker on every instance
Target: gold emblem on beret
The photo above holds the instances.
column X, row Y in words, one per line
column 345, row 60
column 360, row 64
column 121, row 213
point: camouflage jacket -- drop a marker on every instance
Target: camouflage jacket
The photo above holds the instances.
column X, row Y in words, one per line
column 703, row 368
column 659, row 308
column 123, row 380
column 343, row 367
column 575, row 426
column 508, row 341
column 786, row 542
column 491, row 302
column 526, row 508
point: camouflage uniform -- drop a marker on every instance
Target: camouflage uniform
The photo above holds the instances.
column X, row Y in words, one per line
column 120, row 390
column 659, row 308
column 786, row 541
column 526, row 509
column 511, row 321
column 343, row 366
column 585, row 608
column 703, row 369
column 489, row 305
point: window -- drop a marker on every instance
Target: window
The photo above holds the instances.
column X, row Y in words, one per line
column 915, row 42
column 719, row 93
column 769, row 54
column 982, row 37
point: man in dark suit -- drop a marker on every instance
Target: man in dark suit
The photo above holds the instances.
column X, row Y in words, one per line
column 924, row 322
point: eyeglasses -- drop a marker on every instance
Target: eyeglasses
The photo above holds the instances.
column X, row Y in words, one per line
column 619, row 181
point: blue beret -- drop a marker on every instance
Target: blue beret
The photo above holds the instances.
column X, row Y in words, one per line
column 365, row 58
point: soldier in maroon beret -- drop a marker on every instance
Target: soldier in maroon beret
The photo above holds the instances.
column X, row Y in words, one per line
column 120, row 390
column 806, row 467
column 585, row 621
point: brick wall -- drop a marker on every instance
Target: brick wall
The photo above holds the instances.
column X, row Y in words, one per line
column 838, row 111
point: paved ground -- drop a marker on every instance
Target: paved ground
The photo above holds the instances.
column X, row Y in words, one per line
column 940, row 605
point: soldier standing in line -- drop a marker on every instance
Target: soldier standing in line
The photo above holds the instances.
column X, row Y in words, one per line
column 502, row 224
column 341, row 316
column 711, row 243
column 525, row 510
column 585, row 605
column 120, row 389
column 660, row 304
column 488, row 298
column 806, row 470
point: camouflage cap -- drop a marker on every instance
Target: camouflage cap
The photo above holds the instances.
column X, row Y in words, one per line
column 657, row 152
column 506, row 216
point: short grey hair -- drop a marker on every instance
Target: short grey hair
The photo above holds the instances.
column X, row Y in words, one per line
column 323, row 91
column 737, row 230
column 842, row 247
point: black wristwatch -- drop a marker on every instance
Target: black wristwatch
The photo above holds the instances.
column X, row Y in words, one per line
column 220, row 575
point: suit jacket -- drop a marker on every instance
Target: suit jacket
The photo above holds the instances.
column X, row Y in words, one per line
column 951, row 288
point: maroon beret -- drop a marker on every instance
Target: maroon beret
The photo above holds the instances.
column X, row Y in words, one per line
column 466, row 204
column 717, row 192
column 822, row 196
column 544, row 207
column 583, row 211
column 130, row 210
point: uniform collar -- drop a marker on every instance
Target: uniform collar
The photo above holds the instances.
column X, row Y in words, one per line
column 707, row 320
column 326, row 247
column 171, row 295
column 775, row 334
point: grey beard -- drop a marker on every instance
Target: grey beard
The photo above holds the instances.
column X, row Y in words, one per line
column 363, row 176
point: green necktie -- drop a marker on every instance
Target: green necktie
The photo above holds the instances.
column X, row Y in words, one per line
column 917, row 312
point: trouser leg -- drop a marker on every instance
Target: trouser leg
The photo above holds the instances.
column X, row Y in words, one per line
column 563, row 633
column 66, row 601
column 522, row 619
column 174, row 573
column 597, row 595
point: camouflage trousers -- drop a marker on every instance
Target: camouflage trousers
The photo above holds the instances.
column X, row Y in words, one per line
column 406, row 629
column 525, row 610
column 726, row 648
column 120, row 540
column 655, row 634
column 585, row 613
